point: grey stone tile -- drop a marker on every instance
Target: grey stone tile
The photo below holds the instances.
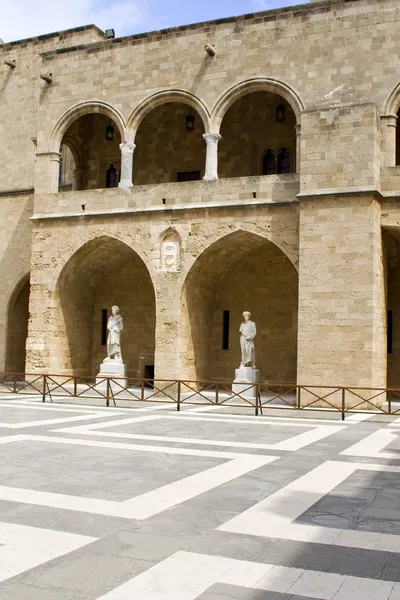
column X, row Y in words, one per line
column 221, row 591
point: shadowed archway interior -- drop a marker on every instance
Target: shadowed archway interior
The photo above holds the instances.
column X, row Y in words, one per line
column 241, row 271
column 17, row 327
column 104, row 272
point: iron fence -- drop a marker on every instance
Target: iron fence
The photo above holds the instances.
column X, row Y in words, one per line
column 255, row 396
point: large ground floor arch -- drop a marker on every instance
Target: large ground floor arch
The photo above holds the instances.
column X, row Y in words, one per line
column 17, row 327
column 103, row 273
column 241, row 271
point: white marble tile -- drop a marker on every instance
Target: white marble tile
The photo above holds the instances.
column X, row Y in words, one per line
column 373, row 445
column 186, row 575
column 274, row 516
column 150, row 503
column 315, row 584
column 355, row 588
column 28, row 547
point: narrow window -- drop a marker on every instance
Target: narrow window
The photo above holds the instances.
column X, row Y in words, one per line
column 188, row 176
column 389, row 332
column 60, row 168
column 398, row 139
column 103, row 326
column 111, row 177
column 268, row 164
column 225, row 329
column 284, row 161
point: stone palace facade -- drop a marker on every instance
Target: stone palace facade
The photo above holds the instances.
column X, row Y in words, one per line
column 193, row 173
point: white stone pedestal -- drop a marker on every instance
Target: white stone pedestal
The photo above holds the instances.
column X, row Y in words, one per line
column 115, row 369
column 244, row 377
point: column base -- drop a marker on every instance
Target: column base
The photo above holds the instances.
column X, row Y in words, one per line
column 244, row 377
column 112, row 368
column 210, row 178
column 125, row 184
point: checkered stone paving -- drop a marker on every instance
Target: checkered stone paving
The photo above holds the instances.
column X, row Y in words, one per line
column 146, row 503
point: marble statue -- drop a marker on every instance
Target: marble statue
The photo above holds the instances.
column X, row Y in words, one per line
column 248, row 333
column 115, row 326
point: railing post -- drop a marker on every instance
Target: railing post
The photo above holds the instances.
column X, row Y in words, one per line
column 44, row 389
column 142, row 389
column 217, row 394
column 15, row 384
column 343, row 403
column 389, row 396
column 299, row 397
column 257, row 394
column 108, row 392
column 178, row 403
column 75, row 386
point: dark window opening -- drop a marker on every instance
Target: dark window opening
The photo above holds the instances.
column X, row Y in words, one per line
column 111, row 178
column 188, row 176
column 103, row 326
column 268, row 163
column 225, row 329
column 389, row 332
column 284, row 161
column 60, row 169
column 149, row 375
column 398, row 139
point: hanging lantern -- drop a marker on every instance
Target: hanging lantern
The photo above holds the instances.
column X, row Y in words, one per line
column 110, row 132
column 280, row 113
column 189, row 122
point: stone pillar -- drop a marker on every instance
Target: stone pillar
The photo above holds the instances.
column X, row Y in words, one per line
column 47, row 168
column 388, row 147
column 298, row 146
column 127, row 149
column 78, row 181
column 212, row 140
column 342, row 309
column 168, row 294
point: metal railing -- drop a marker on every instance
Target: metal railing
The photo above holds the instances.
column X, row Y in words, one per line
column 257, row 397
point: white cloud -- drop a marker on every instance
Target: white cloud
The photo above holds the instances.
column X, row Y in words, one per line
column 28, row 18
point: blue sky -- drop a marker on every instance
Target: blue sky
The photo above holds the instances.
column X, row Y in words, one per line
column 28, row 18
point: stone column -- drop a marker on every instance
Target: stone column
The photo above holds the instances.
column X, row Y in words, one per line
column 212, row 140
column 78, row 179
column 388, row 148
column 298, row 145
column 127, row 149
column 47, row 168
column 342, row 309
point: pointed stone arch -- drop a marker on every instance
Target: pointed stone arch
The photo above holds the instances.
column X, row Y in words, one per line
column 239, row 271
column 100, row 273
column 80, row 110
column 17, row 326
column 256, row 84
column 165, row 97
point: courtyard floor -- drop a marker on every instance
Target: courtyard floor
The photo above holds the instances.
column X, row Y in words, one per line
column 207, row 504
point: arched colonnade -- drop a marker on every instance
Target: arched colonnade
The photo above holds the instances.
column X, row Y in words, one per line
column 175, row 312
column 127, row 130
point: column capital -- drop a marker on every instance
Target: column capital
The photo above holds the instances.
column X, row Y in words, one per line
column 127, row 147
column 298, row 128
column 390, row 120
column 211, row 138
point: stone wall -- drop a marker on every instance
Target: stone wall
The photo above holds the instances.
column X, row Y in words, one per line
column 15, row 258
column 342, row 312
column 84, row 265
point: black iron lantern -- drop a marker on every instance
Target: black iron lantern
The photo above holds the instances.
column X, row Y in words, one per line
column 110, row 132
column 189, row 122
column 280, row 113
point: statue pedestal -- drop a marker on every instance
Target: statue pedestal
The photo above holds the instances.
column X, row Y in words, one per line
column 115, row 369
column 244, row 377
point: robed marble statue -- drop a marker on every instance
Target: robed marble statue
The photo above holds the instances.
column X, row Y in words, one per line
column 115, row 326
column 248, row 332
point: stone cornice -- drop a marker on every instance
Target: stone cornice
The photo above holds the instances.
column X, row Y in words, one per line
column 162, row 209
